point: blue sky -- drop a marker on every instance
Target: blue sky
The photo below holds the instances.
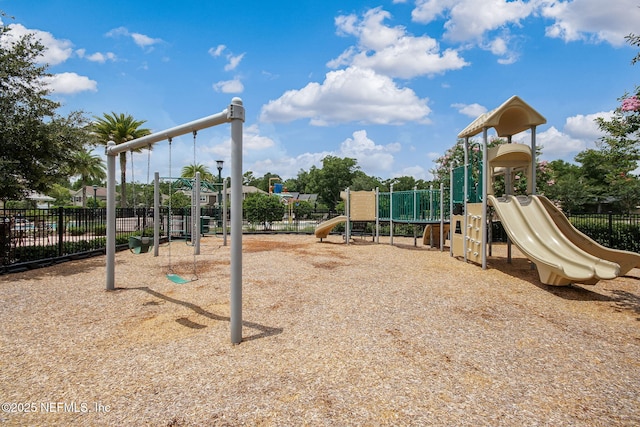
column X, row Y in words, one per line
column 390, row 83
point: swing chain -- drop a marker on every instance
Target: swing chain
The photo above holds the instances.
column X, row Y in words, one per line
column 170, row 269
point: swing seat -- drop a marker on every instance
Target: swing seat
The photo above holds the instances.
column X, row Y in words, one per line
column 140, row 244
column 177, row 279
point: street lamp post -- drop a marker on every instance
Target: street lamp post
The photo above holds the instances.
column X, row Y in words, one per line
column 95, row 190
column 219, row 164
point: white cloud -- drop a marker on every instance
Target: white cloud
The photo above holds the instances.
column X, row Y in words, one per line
column 262, row 154
column 229, row 86
column 117, row 32
column 430, row 10
column 234, row 61
column 143, row 40
column 418, row 172
column 68, row 83
column 579, row 133
column 140, row 40
column 390, row 50
column 557, row 145
column 591, row 19
column 350, row 95
column 97, row 57
column 253, row 141
column 470, row 110
column 217, row 51
column 501, row 46
column 56, row 51
column 472, row 20
column 370, row 156
column 287, row 166
column 585, row 126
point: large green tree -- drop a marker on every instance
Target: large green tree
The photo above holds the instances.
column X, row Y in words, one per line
column 263, row 182
column 260, row 208
column 566, row 185
column 363, row 182
column 618, row 154
column 36, row 143
column 620, row 147
column 300, row 183
column 336, row 175
column 119, row 128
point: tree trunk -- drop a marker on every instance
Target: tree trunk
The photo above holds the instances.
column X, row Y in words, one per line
column 123, row 179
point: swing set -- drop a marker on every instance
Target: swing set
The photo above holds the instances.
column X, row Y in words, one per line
column 195, row 221
column 140, row 244
column 234, row 114
column 143, row 244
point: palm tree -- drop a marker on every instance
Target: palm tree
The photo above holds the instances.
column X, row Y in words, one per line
column 189, row 171
column 89, row 167
column 119, row 128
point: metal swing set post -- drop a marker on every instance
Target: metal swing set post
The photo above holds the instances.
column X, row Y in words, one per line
column 235, row 115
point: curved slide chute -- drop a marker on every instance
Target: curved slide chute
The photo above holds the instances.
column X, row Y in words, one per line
column 625, row 259
column 324, row 228
column 559, row 261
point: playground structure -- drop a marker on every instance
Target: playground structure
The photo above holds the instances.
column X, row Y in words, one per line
column 416, row 207
column 234, row 114
column 561, row 254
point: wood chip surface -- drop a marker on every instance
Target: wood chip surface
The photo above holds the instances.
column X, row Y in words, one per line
column 333, row 335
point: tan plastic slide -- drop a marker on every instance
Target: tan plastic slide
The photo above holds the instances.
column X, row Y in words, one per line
column 559, row 261
column 324, row 228
column 625, row 259
column 434, row 230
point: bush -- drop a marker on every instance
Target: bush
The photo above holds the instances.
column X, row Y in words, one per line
column 121, row 240
column 302, row 209
column 76, row 231
column 262, row 209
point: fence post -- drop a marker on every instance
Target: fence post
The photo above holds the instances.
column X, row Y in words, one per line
column 60, row 230
column 610, row 229
column 391, row 214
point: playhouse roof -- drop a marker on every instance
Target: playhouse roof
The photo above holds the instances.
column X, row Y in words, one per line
column 512, row 117
column 188, row 183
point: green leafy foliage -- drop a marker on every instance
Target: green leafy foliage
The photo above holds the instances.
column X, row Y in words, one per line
column 180, row 200
column 189, row 171
column 119, row 128
column 36, row 144
column 262, row 209
column 302, row 209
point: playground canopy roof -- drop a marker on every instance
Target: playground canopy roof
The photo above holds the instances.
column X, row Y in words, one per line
column 512, row 117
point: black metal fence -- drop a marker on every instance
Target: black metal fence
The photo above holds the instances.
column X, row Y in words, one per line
column 41, row 237
column 615, row 231
column 45, row 235
column 34, row 238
